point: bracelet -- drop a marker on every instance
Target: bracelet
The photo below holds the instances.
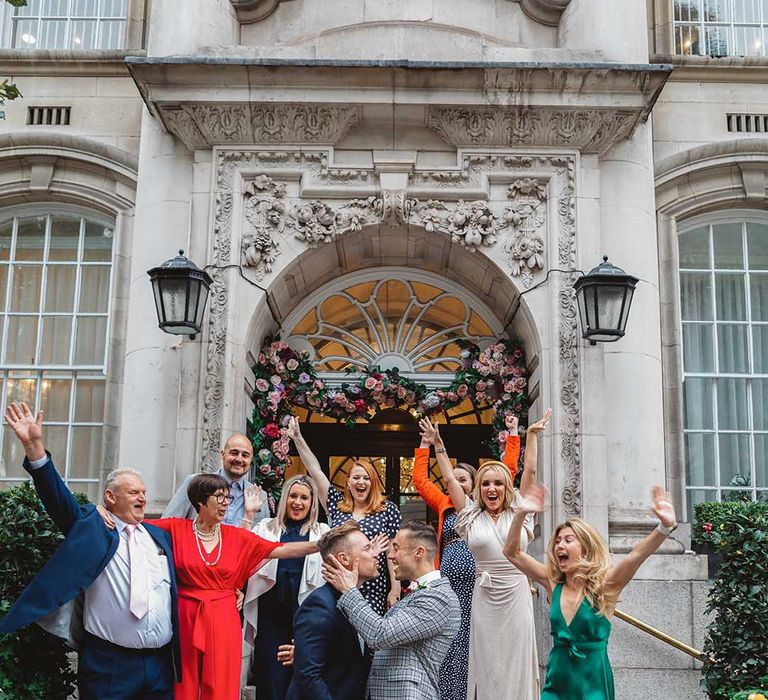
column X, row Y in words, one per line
column 666, row 531
column 439, row 450
column 248, row 520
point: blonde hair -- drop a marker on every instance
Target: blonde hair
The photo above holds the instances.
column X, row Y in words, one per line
column 510, row 492
column 592, row 569
column 377, row 502
column 278, row 524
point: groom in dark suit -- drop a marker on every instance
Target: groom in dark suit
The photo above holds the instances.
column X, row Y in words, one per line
column 122, row 581
column 330, row 660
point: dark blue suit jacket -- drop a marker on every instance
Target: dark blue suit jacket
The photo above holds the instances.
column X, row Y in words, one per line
column 328, row 662
column 86, row 550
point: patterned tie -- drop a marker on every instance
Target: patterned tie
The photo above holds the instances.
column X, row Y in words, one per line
column 139, row 602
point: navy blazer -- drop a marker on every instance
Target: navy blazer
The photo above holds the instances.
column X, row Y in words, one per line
column 328, row 662
column 86, row 550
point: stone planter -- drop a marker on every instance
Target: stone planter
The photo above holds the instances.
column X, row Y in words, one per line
column 714, row 558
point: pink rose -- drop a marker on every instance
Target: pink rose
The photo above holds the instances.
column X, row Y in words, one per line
column 452, row 396
column 370, row 383
column 262, row 358
column 350, row 408
column 379, row 386
column 462, row 390
column 274, row 379
column 292, row 365
column 509, row 386
column 482, row 386
column 262, row 385
column 264, row 469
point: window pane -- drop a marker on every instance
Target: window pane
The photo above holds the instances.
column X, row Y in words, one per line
column 84, row 8
column 734, row 459
column 89, row 401
column 25, row 287
column 727, row 239
column 25, row 34
column 694, row 249
column 757, row 243
column 717, row 41
column 747, row 41
column 700, row 459
column 84, row 34
column 60, row 288
column 32, row 8
column 98, row 242
column 687, row 10
column 3, row 287
column 696, row 296
column 54, row 8
column 688, row 40
column 65, row 236
column 6, row 230
column 90, row 339
column 94, row 289
column 717, row 11
column 86, row 452
column 730, row 298
column 22, row 339
column 13, row 456
column 111, row 35
column 53, row 34
column 54, row 399
column 698, row 403
column 54, row 344
column 760, row 404
column 30, row 238
column 698, row 354
column 760, row 348
column 761, row 459
column 114, row 8
column 21, row 387
column 732, row 411
column 758, row 290
column 56, row 442
column 699, row 496
column 746, row 11
column 732, row 351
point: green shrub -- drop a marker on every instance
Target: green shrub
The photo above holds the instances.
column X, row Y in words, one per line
column 33, row 664
column 737, row 641
column 745, row 694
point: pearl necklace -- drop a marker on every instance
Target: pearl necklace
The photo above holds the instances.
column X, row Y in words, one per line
column 212, row 536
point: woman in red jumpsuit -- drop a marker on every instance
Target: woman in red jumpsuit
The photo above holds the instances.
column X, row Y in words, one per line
column 213, row 561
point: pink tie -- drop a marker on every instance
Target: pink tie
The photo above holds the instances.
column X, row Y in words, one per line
column 139, row 604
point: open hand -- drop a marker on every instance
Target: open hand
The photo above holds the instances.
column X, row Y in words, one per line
column 253, row 498
column 663, row 507
column 541, row 425
column 292, row 430
column 511, row 421
column 285, row 653
column 380, row 544
column 106, row 516
column 430, row 432
column 27, row 427
column 239, row 599
column 533, row 501
column 340, row 578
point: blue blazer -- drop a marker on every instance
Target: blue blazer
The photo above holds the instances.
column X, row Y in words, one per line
column 86, row 550
column 328, row 662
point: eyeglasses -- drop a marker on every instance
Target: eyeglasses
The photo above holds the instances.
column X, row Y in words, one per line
column 223, row 498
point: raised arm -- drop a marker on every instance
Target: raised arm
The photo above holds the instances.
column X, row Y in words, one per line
column 253, row 500
column 431, row 433
column 310, row 461
column 531, row 459
column 533, row 503
column 623, row 572
column 432, row 495
column 511, row 454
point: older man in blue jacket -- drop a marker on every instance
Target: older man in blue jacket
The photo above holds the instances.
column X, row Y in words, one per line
column 121, row 581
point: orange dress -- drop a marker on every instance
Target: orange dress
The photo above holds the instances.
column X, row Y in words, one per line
column 209, row 624
column 441, row 502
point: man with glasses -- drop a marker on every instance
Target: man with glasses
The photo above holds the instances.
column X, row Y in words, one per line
column 236, row 458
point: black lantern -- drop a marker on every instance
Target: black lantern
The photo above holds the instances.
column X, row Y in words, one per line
column 604, row 295
column 181, row 292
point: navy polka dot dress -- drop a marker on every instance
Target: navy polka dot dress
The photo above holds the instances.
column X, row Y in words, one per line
column 388, row 522
column 458, row 565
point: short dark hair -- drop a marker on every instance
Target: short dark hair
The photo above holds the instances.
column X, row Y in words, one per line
column 204, row 485
column 333, row 540
column 422, row 534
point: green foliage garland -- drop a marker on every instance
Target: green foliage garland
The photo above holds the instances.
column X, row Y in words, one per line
column 33, row 664
column 495, row 376
column 737, row 641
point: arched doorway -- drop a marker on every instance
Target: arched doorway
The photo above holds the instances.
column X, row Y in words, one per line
column 392, row 318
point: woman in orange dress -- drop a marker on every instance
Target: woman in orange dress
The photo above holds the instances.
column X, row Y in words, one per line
column 212, row 562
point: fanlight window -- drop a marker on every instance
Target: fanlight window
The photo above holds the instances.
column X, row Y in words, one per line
column 408, row 324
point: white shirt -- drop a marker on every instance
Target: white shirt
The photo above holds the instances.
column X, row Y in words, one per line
column 422, row 581
column 107, row 599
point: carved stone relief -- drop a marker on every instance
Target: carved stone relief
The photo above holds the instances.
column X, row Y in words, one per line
column 270, row 214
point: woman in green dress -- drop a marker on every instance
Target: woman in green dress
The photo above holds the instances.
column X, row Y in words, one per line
column 583, row 588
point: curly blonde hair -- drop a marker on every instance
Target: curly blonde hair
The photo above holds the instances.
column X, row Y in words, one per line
column 510, row 492
column 591, row 570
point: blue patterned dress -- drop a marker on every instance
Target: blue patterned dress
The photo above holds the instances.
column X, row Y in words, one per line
column 458, row 565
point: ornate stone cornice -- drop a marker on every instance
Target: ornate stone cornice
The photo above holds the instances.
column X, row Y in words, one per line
column 545, row 11
column 213, row 124
column 589, row 130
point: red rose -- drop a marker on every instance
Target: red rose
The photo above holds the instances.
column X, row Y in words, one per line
column 361, row 406
column 272, row 430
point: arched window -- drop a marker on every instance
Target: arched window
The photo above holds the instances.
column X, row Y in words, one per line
column 721, row 27
column 64, row 24
column 55, row 280
column 724, row 317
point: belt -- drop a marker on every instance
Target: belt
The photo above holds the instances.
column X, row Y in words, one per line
column 576, row 649
column 92, row 639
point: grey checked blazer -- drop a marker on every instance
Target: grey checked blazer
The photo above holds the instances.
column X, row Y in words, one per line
column 411, row 640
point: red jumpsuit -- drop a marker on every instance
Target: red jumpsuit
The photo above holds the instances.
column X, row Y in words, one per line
column 209, row 624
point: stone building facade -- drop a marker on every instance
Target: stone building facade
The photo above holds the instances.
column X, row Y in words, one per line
column 485, row 148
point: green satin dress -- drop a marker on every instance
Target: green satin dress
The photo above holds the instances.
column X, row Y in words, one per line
column 578, row 667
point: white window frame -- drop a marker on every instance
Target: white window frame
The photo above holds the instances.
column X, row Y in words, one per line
column 730, row 27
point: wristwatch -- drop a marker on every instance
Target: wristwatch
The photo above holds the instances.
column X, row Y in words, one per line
column 666, row 531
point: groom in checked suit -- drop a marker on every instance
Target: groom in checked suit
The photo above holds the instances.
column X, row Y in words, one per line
column 121, row 580
column 413, row 637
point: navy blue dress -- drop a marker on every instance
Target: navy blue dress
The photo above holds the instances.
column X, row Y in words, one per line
column 277, row 608
column 457, row 565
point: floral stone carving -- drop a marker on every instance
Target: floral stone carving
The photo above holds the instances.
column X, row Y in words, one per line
column 316, row 223
column 471, row 224
column 265, row 212
column 526, row 215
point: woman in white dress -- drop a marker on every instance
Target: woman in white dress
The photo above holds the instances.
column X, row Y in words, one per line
column 503, row 663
